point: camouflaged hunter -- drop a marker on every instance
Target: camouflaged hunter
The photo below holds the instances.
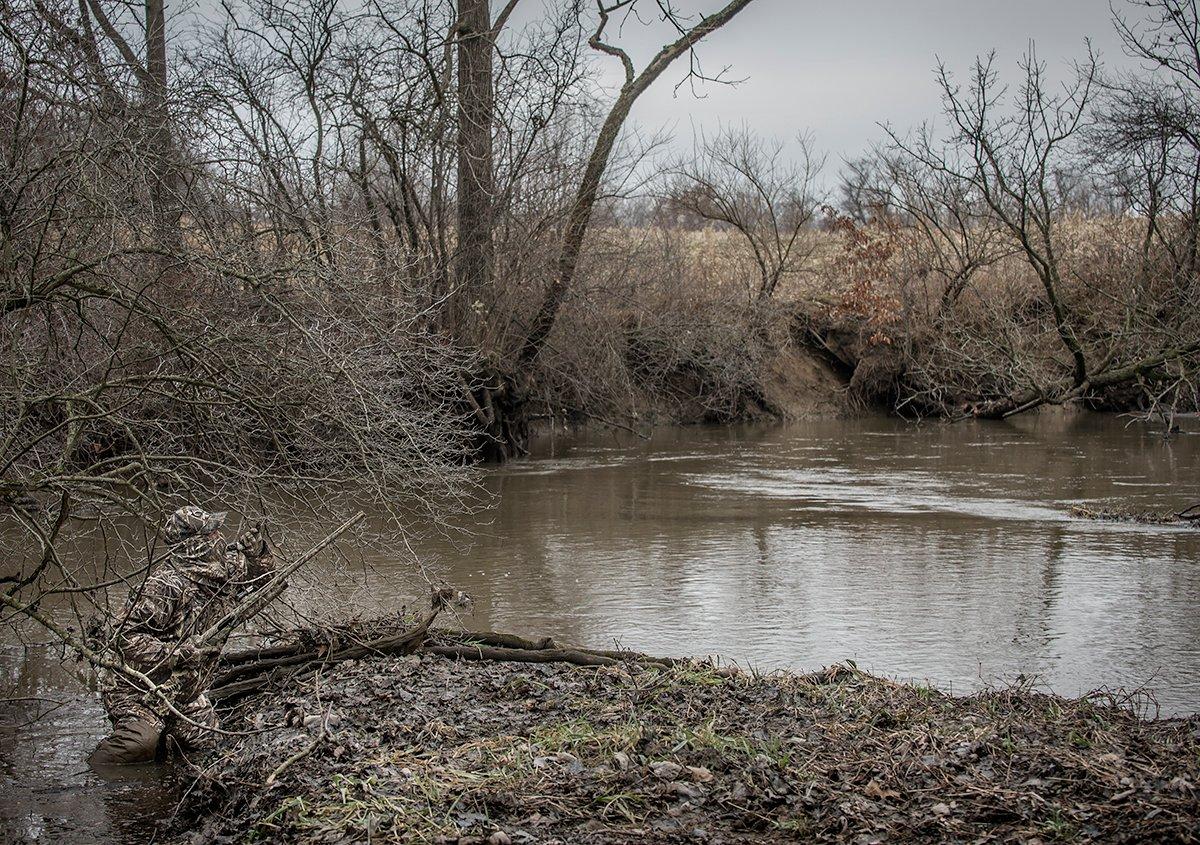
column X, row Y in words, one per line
column 194, row 588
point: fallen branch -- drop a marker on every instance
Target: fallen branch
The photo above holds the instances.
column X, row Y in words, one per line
column 252, row 670
column 1069, row 391
column 249, row 676
column 1143, row 517
column 514, row 642
column 496, row 639
column 321, row 736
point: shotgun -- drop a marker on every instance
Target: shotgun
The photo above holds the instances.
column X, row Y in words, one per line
column 267, row 593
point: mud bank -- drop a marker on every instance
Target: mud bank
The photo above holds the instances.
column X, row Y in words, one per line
column 424, row 748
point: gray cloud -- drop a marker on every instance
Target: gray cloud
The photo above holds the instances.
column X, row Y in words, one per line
column 838, row 69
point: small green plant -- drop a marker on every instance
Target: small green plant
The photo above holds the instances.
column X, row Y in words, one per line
column 924, row 692
column 798, row 826
column 1058, row 825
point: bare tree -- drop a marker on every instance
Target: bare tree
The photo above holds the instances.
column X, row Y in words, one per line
column 103, row 33
column 760, row 189
column 1013, row 162
column 955, row 234
column 1147, row 131
column 476, row 175
column 857, row 189
column 1007, row 160
column 499, row 395
column 634, row 86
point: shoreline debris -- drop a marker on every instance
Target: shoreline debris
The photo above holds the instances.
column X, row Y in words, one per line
column 1122, row 513
column 436, row 746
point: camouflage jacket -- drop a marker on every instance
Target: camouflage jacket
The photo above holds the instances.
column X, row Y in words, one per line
column 200, row 583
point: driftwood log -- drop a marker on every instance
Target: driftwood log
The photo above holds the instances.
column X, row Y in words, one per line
column 489, row 645
column 253, row 670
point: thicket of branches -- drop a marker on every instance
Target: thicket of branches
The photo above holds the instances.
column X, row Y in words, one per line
column 174, row 331
column 1041, row 246
column 285, row 258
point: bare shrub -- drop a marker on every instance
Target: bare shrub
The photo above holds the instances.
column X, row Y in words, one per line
column 140, row 373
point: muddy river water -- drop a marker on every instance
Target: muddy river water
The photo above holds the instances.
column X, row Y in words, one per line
column 941, row 553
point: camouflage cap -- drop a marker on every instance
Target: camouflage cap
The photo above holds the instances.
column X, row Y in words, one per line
column 191, row 521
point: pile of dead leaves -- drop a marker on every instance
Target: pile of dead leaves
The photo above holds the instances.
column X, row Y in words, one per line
column 428, row 749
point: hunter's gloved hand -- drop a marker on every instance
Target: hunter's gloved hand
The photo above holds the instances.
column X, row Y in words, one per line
column 191, row 656
column 251, row 542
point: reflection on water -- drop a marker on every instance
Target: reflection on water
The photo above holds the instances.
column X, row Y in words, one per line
column 941, row 553
column 47, row 791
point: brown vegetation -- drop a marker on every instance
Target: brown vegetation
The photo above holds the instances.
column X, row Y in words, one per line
column 426, row 749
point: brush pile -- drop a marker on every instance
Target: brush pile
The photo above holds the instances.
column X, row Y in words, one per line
column 1121, row 513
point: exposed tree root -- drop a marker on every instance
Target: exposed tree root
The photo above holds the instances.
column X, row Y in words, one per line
column 499, row 404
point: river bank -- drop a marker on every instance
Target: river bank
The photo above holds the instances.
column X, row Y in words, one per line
column 423, row 748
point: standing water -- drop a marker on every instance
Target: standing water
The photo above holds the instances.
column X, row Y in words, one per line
column 941, row 553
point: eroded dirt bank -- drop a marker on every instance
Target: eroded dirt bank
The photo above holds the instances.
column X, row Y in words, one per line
column 429, row 749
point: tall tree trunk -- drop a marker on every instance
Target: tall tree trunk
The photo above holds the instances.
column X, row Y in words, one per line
column 475, row 256
column 163, row 173
column 163, row 164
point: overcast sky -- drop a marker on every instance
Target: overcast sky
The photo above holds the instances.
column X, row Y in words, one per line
column 838, row 68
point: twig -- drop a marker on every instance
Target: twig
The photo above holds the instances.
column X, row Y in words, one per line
column 321, row 736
